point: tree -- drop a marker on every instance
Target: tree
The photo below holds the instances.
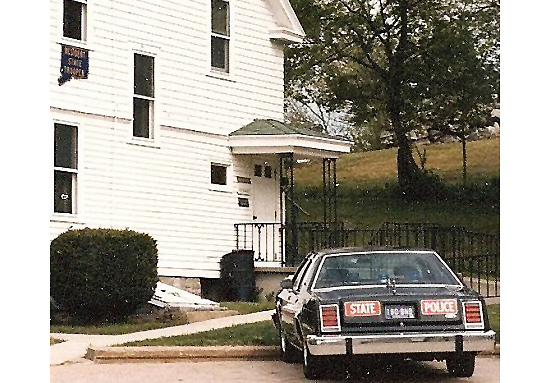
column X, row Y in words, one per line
column 369, row 58
column 459, row 92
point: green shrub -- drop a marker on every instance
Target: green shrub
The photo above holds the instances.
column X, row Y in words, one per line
column 102, row 274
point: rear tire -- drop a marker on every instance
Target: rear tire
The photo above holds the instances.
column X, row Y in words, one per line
column 310, row 363
column 462, row 366
column 289, row 353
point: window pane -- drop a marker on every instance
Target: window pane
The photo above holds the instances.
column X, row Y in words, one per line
column 267, row 171
column 142, row 117
column 72, row 19
column 218, row 174
column 220, row 17
column 65, row 151
column 220, row 53
column 143, row 75
column 257, row 170
column 63, row 192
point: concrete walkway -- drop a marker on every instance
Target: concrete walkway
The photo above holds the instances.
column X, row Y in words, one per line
column 74, row 347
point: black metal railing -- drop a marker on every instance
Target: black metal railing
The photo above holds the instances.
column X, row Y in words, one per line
column 266, row 239
column 476, row 256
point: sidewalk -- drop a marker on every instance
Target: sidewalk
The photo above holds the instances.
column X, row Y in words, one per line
column 75, row 346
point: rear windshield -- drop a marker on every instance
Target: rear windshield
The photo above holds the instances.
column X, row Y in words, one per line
column 382, row 267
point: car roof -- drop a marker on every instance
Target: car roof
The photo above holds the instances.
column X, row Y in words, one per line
column 366, row 249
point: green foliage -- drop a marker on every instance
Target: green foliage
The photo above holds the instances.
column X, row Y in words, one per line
column 102, row 274
column 431, row 64
column 249, row 307
column 494, row 319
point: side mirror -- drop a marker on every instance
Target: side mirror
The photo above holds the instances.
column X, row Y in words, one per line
column 286, row 283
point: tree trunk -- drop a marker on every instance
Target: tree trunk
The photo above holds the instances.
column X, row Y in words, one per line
column 407, row 169
column 463, row 161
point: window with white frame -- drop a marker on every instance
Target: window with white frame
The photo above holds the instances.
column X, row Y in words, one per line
column 65, row 168
column 219, row 43
column 74, row 19
column 144, row 95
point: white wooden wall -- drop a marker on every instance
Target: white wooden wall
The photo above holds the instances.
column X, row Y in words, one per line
column 163, row 188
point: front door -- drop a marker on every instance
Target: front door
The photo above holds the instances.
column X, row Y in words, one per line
column 265, row 210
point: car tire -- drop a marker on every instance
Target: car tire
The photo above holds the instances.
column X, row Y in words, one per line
column 462, row 366
column 310, row 363
column 289, row 353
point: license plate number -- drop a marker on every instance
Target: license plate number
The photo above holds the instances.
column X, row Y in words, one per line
column 399, row 312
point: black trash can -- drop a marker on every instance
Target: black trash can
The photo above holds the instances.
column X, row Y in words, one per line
column 237, row 276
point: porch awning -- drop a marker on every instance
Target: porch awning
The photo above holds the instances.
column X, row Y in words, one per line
column 264, row 136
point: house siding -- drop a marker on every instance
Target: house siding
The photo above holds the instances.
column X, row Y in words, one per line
column 163, row 187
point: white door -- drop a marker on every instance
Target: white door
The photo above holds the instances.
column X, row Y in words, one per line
column 265, row 210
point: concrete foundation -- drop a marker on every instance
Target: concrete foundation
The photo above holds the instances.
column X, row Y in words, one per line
column 191, row 285
column 268, row 280
column 267, row 283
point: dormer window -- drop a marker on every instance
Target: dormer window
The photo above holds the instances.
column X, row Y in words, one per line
column 219, row 49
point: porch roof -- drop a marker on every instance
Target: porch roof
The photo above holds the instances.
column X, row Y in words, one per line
column 266, row 136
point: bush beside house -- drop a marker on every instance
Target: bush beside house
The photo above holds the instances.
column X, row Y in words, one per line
column 102, row 274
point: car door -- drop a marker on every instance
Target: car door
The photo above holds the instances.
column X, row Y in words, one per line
column 290, row 302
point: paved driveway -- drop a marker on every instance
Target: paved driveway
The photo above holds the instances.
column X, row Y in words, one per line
column 487, row 371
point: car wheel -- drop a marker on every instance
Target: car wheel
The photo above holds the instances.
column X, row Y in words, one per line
column 310, row 363
column 289, row 353
column 461, row 366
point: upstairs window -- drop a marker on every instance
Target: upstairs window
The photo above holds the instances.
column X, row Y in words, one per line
column 74, row 19
column 144, row 95
column 218, row 174
column 219, row 50
column 65, row 168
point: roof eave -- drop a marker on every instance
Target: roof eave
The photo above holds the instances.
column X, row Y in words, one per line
column 303, row 146
column 288, row 28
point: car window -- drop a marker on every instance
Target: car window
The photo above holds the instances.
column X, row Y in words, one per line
column 378, row 267
column 300, row 273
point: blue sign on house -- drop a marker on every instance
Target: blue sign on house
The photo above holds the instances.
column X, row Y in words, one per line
column 74, row 63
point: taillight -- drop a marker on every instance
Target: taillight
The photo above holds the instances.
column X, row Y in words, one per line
column 473, row 315
column 330, row 318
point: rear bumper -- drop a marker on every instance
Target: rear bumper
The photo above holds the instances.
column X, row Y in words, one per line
column 402, row 343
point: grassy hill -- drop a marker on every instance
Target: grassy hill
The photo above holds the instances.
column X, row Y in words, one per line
column 363, row 180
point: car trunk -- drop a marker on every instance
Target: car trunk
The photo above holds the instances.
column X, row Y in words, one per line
column 410, row 309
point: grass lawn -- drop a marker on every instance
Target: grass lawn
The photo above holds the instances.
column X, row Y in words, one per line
column 150, row 323
column 362, row 179
column 494, row 319
column 252, row 334
column 368, row 170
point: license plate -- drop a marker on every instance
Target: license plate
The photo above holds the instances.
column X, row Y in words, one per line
column 399, row 312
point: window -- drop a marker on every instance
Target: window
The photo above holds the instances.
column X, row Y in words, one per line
column 74, row 19
column 65, row 168
column 257, row 170
column 267, row 171
column 244, row 202
column 219, row 50
column 218, row 174
column 144, row 95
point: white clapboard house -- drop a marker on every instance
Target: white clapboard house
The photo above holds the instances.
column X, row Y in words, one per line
column 167, row 119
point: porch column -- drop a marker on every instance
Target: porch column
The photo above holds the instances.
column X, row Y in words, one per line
column 330, row 214
column 289, row 242
column 332, row 236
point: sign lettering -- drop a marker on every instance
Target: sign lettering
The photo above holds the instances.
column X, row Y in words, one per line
column 74, row 63
column 362, row 308
column 439, row 306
